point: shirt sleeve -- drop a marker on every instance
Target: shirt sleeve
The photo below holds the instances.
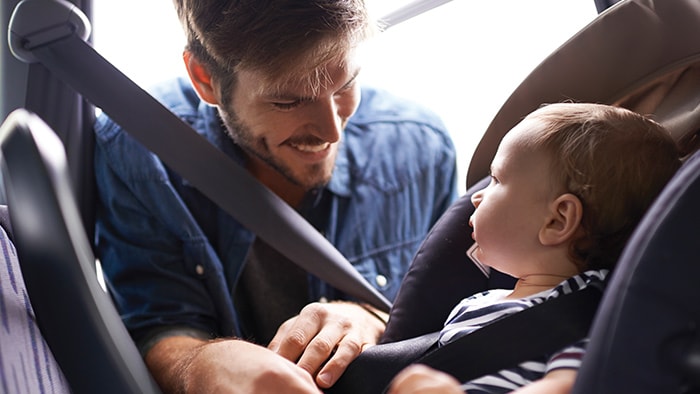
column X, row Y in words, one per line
column 154, row 258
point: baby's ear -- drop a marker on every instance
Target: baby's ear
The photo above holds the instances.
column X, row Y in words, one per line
column 564, row 220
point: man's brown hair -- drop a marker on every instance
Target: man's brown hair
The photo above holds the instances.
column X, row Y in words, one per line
column 285, row 40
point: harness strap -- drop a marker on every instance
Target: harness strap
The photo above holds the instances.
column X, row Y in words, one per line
column 528, row 334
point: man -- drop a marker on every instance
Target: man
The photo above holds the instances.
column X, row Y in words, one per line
column 274, row 84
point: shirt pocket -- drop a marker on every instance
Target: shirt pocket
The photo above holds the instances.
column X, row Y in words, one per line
column 385, row 268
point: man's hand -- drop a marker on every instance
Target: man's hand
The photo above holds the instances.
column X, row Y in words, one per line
column 188, row 365
column 425, row 380
column 336, row 330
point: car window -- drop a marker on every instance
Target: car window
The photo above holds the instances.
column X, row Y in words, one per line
column 462, row 59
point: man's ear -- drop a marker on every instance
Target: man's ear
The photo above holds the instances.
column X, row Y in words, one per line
column 564, row 220
column 201, row 78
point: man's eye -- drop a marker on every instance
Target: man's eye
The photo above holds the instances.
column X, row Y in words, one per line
column 286, row 106
column 347, row 88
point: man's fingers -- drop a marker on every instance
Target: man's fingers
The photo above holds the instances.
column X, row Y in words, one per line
column 348, row 349
column 322, row 347
column 295, row 334
column 325, row 338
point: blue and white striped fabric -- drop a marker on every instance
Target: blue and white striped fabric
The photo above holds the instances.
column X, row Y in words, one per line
column 26, row 363
column 484, row 308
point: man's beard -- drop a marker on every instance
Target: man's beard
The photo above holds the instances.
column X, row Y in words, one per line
column 243, row 137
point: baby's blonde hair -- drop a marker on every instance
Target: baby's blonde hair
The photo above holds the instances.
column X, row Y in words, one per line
column 615, row 161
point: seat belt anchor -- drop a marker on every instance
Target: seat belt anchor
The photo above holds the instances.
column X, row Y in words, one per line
column 35, row 23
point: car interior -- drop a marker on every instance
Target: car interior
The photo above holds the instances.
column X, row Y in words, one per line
column 640, row 54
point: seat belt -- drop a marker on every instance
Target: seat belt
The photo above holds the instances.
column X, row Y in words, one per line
column 526, row 335
column 75, row 62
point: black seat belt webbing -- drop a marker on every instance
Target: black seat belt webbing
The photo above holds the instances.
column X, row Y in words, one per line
column 207, row 168
column 526, row 335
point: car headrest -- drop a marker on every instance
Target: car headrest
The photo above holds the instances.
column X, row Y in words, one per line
column 672, row 99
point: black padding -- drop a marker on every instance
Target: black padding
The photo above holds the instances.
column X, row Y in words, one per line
column 440, row 275
column 373, row 370
column 653, row 299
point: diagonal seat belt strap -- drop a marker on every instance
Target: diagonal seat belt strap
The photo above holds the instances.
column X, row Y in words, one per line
column 189, row 154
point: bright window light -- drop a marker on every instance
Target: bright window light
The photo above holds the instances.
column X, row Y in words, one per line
column 462, row 59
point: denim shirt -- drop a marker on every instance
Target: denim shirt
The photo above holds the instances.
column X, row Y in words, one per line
column 171, row 257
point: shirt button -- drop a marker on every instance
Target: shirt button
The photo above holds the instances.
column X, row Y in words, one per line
column 199, row 269
column 381, row 280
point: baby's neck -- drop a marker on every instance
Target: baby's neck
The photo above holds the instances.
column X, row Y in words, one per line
column 533, row 284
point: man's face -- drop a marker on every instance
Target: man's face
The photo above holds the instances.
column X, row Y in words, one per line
column 294, row 132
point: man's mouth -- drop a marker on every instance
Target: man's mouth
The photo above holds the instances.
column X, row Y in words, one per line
column 311, row 148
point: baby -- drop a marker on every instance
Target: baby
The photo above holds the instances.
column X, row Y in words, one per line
column 568, row 186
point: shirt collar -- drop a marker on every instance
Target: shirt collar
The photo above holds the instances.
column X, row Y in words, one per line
column 340, row 180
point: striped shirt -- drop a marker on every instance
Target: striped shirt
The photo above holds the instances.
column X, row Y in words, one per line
column 484, row 308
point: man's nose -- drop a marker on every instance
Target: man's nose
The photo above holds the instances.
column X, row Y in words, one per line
column 328, row 123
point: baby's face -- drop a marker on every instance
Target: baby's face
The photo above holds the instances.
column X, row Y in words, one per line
column 513, row 208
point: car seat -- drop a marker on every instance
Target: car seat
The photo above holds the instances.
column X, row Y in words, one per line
column 643, row 66
column 652, row 66
column 74, row 313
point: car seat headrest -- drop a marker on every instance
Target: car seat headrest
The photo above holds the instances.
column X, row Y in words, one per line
column 635, row 48
column 674, row 100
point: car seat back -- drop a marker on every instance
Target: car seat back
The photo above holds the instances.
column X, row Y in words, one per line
column 74, row 313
